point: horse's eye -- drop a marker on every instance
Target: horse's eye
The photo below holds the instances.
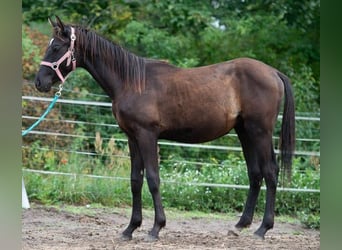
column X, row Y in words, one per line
column 55, row 48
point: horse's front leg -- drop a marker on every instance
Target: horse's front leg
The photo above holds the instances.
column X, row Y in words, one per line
column 148, row 147
column 137, row 175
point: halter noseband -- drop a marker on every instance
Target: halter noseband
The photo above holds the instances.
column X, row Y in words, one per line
column 69, row 55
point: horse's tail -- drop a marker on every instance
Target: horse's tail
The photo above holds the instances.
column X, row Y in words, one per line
column 287, row 133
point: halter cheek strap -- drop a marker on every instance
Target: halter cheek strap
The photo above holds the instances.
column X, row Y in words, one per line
column 69, row 55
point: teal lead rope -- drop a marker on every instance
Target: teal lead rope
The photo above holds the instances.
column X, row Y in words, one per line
column 57, row 95
column 24, row 198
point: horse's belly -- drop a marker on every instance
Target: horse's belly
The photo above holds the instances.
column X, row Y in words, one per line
column 195, row 134
column 200, row 120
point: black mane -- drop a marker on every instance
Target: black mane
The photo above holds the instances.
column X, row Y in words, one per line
column 129, row 67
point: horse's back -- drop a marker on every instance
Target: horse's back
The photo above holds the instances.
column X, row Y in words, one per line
column 241, row 85
column 201, row 104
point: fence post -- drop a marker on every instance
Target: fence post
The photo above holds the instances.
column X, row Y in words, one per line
column 24, row 199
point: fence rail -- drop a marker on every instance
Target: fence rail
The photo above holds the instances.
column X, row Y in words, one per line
column 165, row 143
column 205, row 184
column 108, row 104
column 178, row 144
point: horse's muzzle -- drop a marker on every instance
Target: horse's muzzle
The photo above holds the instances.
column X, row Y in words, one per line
column 41, row 87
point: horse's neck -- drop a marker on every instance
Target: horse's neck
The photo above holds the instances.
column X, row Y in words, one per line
column 115, row 69
column 104, row 76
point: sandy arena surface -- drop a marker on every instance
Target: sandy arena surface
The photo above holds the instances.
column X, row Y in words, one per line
column 100, row 228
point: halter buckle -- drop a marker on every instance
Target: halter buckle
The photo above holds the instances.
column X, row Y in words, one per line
column 54, row 66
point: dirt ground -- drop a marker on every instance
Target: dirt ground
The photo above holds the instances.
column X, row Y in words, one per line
column 100, row 228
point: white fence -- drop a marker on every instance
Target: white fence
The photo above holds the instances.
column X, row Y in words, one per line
column 107, row 105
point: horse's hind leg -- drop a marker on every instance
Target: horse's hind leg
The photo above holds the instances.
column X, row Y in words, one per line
column 254, row 175
column 270, row 171
column 257, row 147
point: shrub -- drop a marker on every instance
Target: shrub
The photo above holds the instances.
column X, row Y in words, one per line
column 30, row 55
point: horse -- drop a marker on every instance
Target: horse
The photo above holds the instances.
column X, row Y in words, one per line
column 153, row 99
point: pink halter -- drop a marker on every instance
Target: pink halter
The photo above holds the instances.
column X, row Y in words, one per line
column 69, row 55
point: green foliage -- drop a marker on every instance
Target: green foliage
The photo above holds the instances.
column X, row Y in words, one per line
column 30, row 55
column 155, row 43
column 310, row 220
column 105, row 16
column 177, row 17
column 78, row 190
column 305, row 88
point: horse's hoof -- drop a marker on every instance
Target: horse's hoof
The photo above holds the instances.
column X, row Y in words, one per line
column 259, row 236
column 238, row 228
column 151, row 238
column 126, row 237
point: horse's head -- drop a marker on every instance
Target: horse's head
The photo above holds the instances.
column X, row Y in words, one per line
column 59, row 58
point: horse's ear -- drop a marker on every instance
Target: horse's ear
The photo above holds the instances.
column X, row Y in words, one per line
column 52, row 23
column 60, row 24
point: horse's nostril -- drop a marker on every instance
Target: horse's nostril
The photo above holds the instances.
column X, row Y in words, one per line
column 37, row 83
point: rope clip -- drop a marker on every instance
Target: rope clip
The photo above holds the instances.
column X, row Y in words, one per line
column 59, row 92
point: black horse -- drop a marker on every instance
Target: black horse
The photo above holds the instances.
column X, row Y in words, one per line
column 152, row 99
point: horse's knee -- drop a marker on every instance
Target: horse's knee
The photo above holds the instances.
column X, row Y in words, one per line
column 136, row 186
